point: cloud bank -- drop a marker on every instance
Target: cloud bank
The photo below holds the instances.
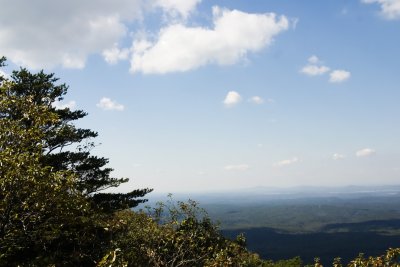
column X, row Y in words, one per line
column 47, row 33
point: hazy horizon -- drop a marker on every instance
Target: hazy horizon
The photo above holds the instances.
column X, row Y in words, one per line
column 304, row 191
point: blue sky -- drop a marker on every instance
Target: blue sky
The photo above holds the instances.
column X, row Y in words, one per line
column 196, row 95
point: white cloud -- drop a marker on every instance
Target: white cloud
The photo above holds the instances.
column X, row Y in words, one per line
column 48, row 33
column 239, row 167
column 177, row 7
column 286, row 162
column 338, row 76
column 314, row 67
column 107, row 104
column 313, row 70
column 313, row 59
column 115, row 54
column 338, row 156
column 366, row 152
column 256, row 100
column 232, row 98
column 59, row 105
column 390, row 9
column 180, row 48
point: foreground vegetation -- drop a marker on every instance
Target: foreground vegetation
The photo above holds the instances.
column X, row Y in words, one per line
column 54, row 212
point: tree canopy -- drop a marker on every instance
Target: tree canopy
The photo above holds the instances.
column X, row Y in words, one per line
column 93, row 177
column 52, row 206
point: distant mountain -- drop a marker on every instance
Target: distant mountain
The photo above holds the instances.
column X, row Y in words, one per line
column 256, row 194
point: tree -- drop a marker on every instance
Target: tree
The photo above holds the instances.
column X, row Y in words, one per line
column 93, row 176
column 36, row 201
column 52, row 210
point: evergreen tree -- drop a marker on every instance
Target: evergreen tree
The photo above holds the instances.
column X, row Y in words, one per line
column 52, row 210
column 93, row 176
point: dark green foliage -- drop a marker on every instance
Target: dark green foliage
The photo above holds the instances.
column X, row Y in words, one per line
column 52, row 210
column 93, row 177
column 37, row 203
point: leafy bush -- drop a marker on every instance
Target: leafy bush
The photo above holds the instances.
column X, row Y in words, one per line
column 176, row 234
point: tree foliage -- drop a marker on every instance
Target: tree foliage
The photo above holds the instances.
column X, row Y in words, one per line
column 175, row 234
column 52, row 208
column 93, row 177
column 36, row 201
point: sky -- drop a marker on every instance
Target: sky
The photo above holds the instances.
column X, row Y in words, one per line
column 199, row 95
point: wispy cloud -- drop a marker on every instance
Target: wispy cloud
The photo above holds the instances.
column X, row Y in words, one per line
column 390, row 9
column 366, row 152
column 338, row 156
column 286, row 162
column 313, row 70
column 232, row 98
column 107, row 104
column 239, row 167
column 338, row 76
column 313, row 59
column 256, row 100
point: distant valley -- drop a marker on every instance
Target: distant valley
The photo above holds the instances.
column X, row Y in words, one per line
column 308, row 222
